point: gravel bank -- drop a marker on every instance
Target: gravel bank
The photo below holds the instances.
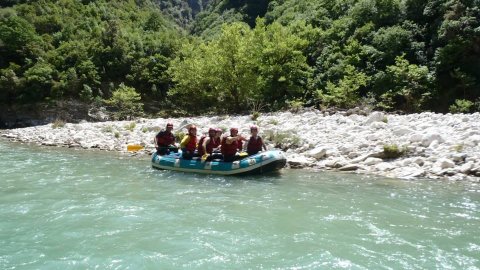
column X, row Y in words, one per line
column 429, row 145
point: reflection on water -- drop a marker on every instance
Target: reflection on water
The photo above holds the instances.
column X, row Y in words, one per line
column 64, row 209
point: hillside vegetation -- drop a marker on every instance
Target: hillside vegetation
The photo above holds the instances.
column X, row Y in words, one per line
column 226, row 56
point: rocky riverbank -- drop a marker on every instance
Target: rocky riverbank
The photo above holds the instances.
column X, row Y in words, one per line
column 425, row 145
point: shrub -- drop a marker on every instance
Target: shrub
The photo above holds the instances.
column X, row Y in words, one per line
column 283, row 140
column 273, row 121
column 179, row 135
column 409, row 86
column 58, row 123
column 126, row 101
column 130, row 126
column 107, row 129
column 295, row 105
column 255, row 116
column 392, row 151
column 86, row 94
column 117, row 134
column 458, row 147
column 345, row 93
column 461, row 106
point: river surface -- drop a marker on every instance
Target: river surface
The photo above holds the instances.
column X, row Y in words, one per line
column 77, row 209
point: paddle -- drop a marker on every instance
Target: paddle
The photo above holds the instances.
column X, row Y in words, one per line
column 134, row 147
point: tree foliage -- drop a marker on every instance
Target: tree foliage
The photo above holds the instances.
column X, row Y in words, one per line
column 221, row 55
column 79, row 49
column 265, row 63
column 126, row 102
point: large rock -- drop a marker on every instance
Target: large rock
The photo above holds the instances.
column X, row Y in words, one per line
column 473, row 140
column 375, row 117
column 317, row 153
column 298, row 162
column 445, row 163
column 429, row 138
column 335, row 163
column 416, row 137
column 409, row 172
column 384, row 166
column 400, row 131
column 466, row 168
column 459, row 157
column 366, row 156
column 346, row 149
column 372, row 161
column 350, row 167
column 419, row 161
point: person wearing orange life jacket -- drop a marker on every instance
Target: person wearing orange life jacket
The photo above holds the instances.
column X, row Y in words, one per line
column 255, row 143
column 231, row 144
column 189, row 143
column 165, row 141
column 203, row 147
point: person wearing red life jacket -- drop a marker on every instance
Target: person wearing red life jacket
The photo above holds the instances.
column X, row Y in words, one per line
column 255, row 144
column 231, row 144
column 205, row 143
column 189, row 143
column 212, row 146
column 165, row 141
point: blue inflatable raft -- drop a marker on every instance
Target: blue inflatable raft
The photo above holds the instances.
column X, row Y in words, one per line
column 263, row 162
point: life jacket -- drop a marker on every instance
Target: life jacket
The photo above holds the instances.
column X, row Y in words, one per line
column 192, row 143
column 165, row 138
column 213, row 143
column 200, row 146
column 239, row 145
column 229, row 149
column 254, row 144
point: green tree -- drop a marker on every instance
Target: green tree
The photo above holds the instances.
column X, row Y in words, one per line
column 16, row 34
column 126, row 102
column 265, row 64
column 345, row 93
column 38, row 82
column 410, row 86
column 281, row 63
column 10, row 84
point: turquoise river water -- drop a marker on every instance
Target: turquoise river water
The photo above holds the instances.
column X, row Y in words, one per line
column 77, row 209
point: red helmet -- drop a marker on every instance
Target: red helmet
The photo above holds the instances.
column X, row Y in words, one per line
column 253, row 127
column 211, row 130
column 169, row 125
column 233, row 130
column 192, row 127
column 218, row 130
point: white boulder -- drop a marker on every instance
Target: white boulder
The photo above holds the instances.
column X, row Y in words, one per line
column 317, row 153
column 375, row 117
column 429, row 138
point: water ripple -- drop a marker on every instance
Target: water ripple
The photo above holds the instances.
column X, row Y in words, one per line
column 86, row 209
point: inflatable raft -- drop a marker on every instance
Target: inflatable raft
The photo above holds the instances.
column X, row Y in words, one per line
column 263, row 162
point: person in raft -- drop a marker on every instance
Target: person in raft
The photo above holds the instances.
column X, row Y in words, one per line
column 255, row 144
column 189, row 143
column 231, row 144
column 210, row 147
column 202, row 147
column 165, row 141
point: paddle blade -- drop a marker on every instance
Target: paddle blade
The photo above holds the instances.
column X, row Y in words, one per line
column 134, row 147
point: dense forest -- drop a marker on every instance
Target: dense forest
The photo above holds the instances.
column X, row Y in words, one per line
column 225, row 56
